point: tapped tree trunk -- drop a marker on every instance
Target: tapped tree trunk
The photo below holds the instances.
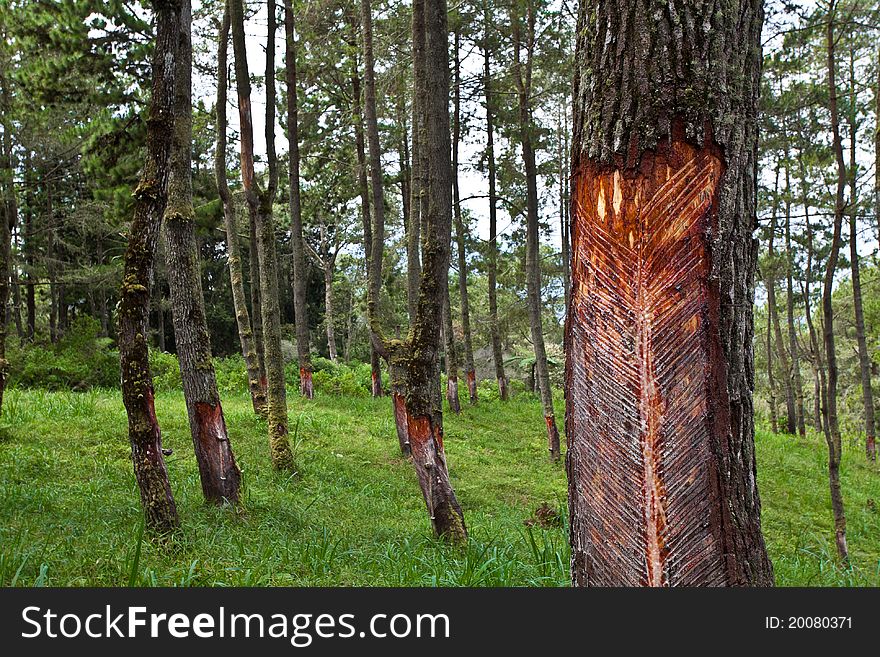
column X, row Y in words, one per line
column 460, row 237
column 420, row 351
column 492, row 247
column 260, row 209
column 300, row 272
column 233, row 246
column 150, row 197
column 523, row 76
column 218, row 471
column 832, row 425
column 661, row 461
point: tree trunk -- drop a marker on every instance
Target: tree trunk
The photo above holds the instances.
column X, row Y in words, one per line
column 492, row 247
column 533, row 254
column 329, row 315
column 771, row 378
column 300, row 270
column 832, row 426
column 424, row 415
column 149, row 204
column 366, row 215
column 256, row 304
column 451, row 355
column 260, row 208
column 230, row 222
column 218, row 471
column 772, row 309
column 563, row 207
column 861, row 341
column 460, row 237
column 796, row 380
column 659, row 362
column 8, row 219
column 417, row 177
column 29, row 249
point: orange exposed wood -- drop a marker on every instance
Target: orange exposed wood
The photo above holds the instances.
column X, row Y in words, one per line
column 400, row 420
column 645, row 383
column 306, row 387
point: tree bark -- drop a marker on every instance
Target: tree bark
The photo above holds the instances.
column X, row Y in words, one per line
column 230, row 222
column 832, row 426
column 300, row 270
column 492, row 247
column 861, row 341
column 260, row 208
column 659, row 362
column 150, row 197
column 771, row 378
column 417, row 178
column 218, row 471
column 523, row 80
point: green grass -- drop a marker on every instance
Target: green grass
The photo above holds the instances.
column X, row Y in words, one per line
column 353, row 514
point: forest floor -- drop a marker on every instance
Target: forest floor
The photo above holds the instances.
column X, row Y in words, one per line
column 353, row 514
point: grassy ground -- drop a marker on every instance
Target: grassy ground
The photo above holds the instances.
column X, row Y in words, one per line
column 353, row 515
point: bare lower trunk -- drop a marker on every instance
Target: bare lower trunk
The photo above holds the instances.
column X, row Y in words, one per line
column 149, row 204
column 246, row 337
column 659, row 419
column 329, row 316
column 771, row 378
column 8, row 219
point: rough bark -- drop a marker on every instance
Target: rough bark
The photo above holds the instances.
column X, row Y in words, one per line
column 256, row 301
column 260, row 208
column 861, row 340
column 218, row 471
column 523, row 78
column 659, row 363
column 233, row 245
column 492, row 246
column 417, row 184
column 150, row 197
column 300, row 270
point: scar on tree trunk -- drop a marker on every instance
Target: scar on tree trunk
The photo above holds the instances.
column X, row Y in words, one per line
column 397, row 373
column 646, row 383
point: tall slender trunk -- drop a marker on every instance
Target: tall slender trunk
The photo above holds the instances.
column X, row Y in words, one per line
column 796, row 379
column 150, row 197
column 861, row 340
column 563, row 206
column 492, row 247
column 771, row 378
column 8, row 220
column 300, row 270
column 29, row 249
column 659, row 359
column 832, row 426
column 419, row 353
column 256, row 304
column 329, row 315
column 523, row 77
column 230, row 222
column 470, row 372
column 418, row 176
column 260, row 208
column 366, row 214
column 50, row 265
column 772, row 309
column 218, row 471
column 877, row 146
